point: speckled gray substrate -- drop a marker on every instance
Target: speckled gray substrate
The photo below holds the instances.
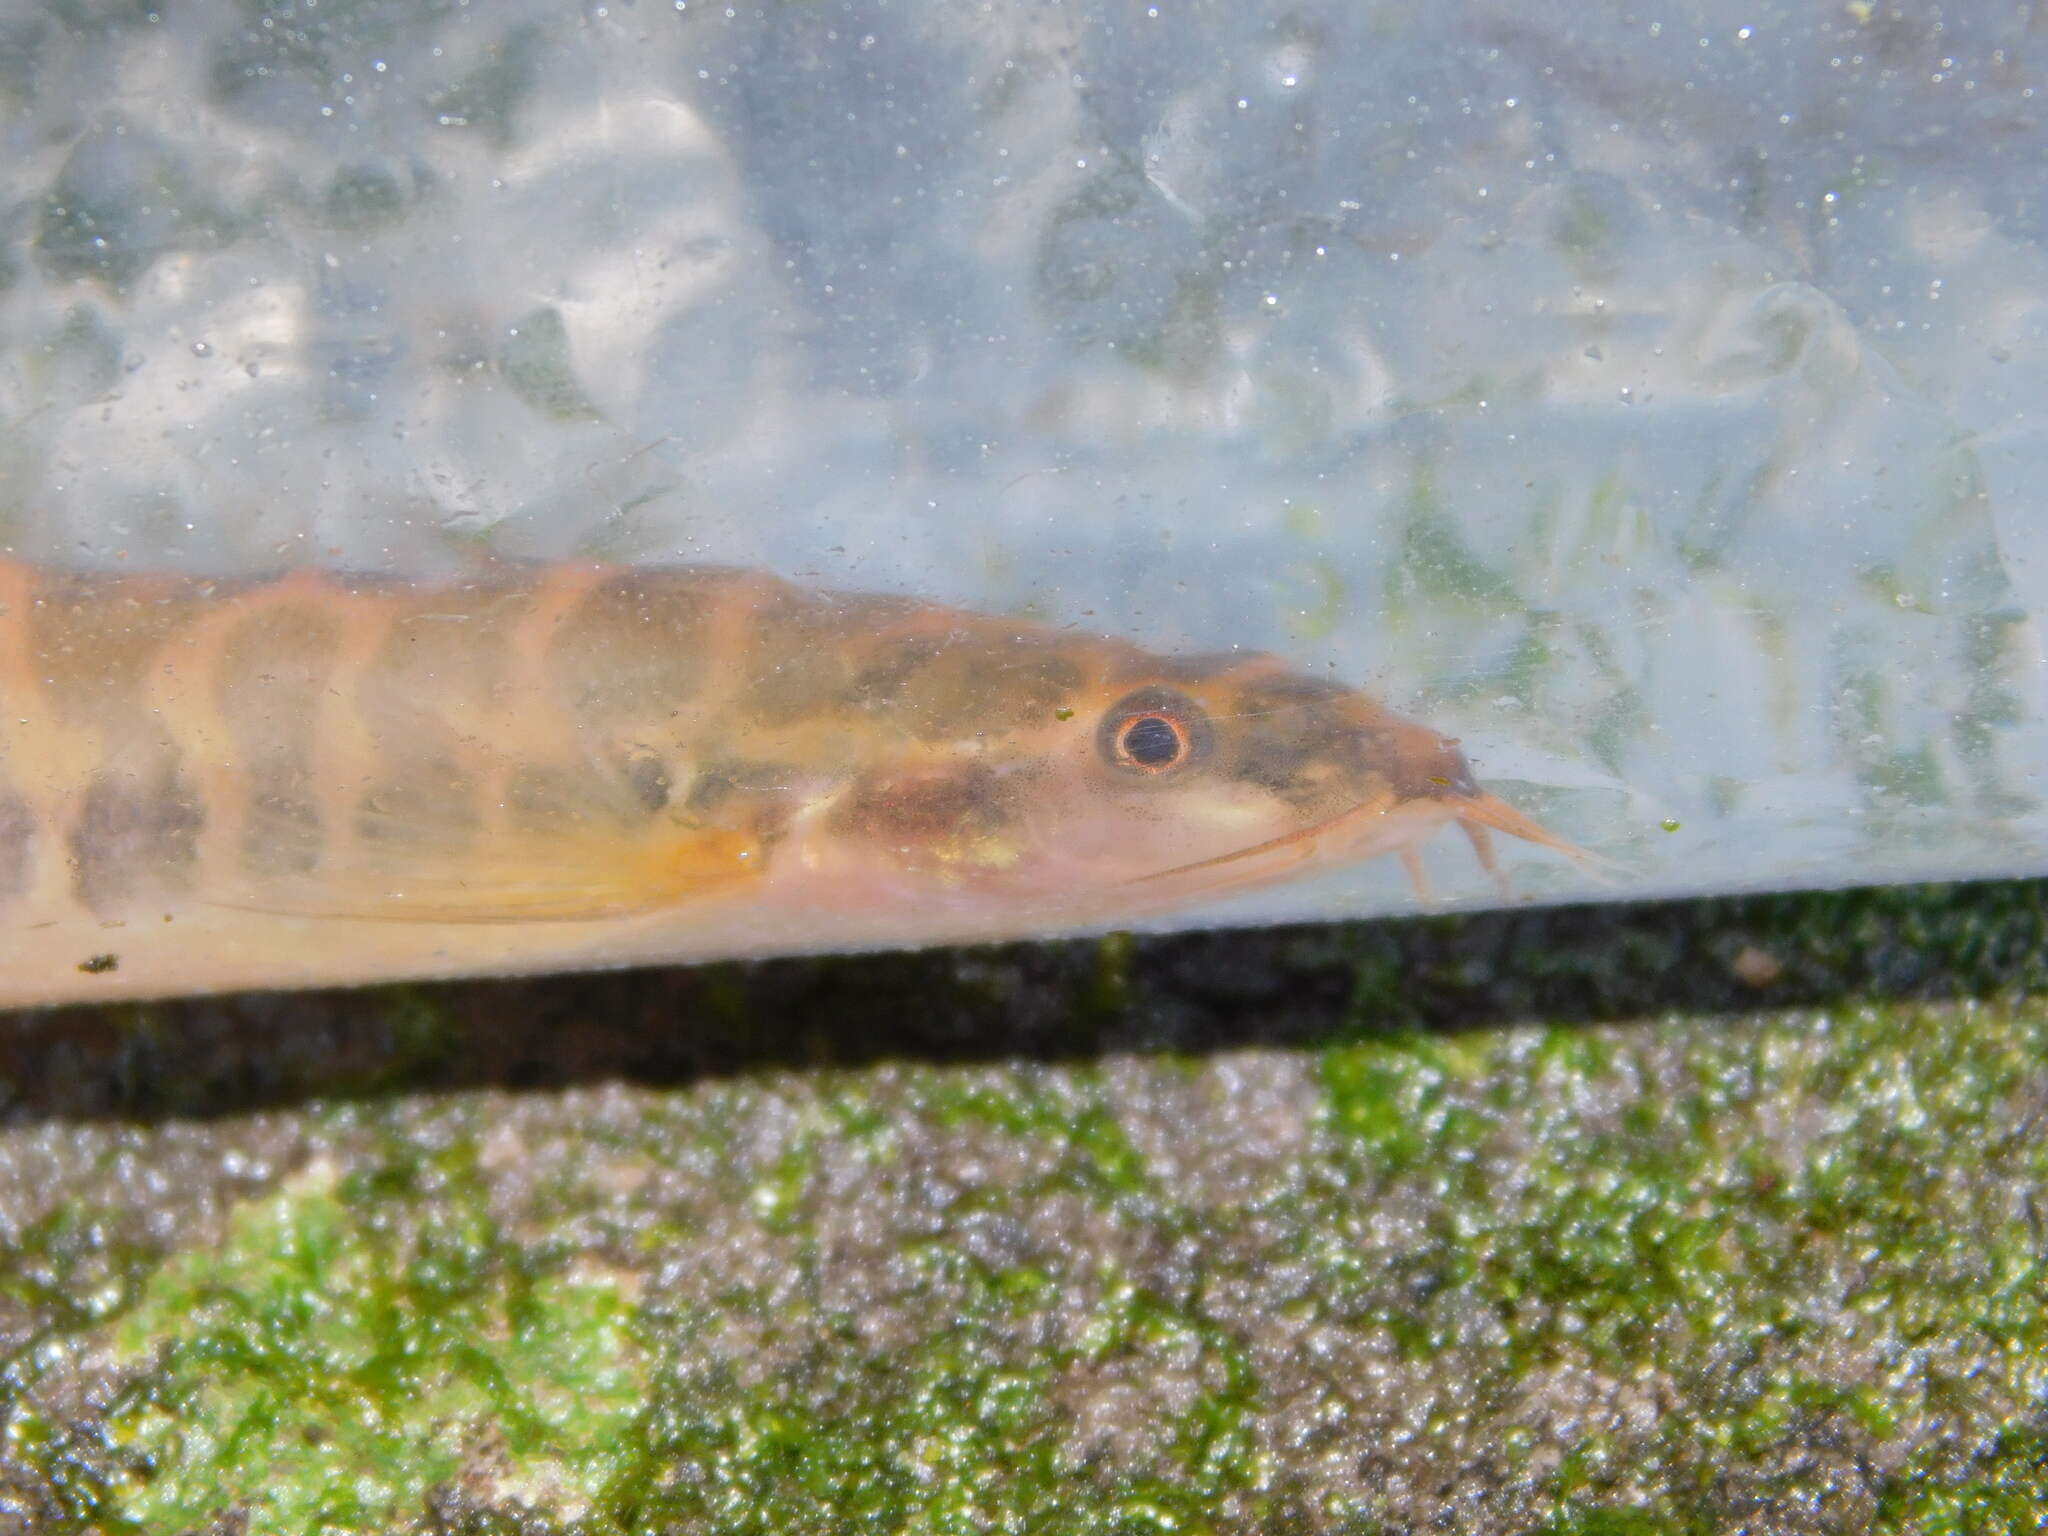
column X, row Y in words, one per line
column 1703, row 1217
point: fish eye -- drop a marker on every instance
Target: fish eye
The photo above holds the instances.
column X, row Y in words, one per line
column 1151, row 741
column 1153, row 731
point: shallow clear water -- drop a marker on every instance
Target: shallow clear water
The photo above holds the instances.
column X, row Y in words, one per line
column 1654, row 401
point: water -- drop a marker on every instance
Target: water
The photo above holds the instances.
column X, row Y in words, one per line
column 1651, row 400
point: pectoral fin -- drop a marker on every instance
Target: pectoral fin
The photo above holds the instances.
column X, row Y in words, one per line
column 575, row 877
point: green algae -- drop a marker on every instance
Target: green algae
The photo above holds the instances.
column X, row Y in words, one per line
column 1834, row 1291
column 1437, row 561
column 1535, row 1222
column 534, row 359
column 329, row 1361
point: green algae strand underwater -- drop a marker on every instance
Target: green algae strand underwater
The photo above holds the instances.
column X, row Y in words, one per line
column 1654, row 1219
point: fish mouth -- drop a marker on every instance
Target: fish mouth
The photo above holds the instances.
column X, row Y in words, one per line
column 1392, row 823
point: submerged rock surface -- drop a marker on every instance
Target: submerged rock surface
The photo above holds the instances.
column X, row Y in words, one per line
column 1629, row 1219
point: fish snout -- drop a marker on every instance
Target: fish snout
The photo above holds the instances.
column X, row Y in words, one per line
column 1417, row 762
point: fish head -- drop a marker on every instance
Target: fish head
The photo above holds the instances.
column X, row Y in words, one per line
column 1152, row 782
column 1210, row 775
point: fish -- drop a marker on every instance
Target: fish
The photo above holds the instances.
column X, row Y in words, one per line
column 316, row 779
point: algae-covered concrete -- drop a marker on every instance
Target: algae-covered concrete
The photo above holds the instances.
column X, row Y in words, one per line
column 1640, row 1219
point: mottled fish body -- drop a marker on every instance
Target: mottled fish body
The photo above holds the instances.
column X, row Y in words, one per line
column 209, row 785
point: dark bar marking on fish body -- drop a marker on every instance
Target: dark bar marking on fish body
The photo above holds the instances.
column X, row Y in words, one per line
column 17, row 846
column 735, row 791
column 1017, row 686
column 444, row 657
column 930, row 819
column 542, row 799
column 937, row 687
column 1300, row 754
column 432, row 691
column 633, row 650
column 281, row 834
column 430, row 801
column 893, row 673
column 93, row 640
column 137, row 833
column 649, row 780
column 274, row 667
column 619, row 799
column 805, row 652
